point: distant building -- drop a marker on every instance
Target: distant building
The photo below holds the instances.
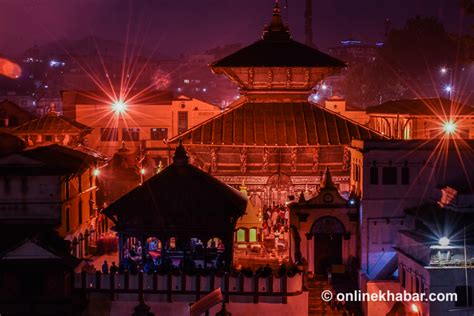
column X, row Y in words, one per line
column 52, row 128
column 422, row 119
column 53, row 186
column 339, row 105
column 37, row 272
column 354, row 51
column 144, row 123
column 390, row 177
column 12, row 115
column 25, row 102
column 436, row 256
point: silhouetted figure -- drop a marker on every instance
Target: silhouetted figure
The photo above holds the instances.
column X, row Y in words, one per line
column 105, row 267
column 113, row 268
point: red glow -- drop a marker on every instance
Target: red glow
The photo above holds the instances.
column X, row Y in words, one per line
column 9, row 69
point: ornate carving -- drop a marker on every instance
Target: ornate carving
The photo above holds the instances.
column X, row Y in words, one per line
column 265, row 160
column 288, row 77
column 346, row 159
column 213, row 160
column 307, row 77
column 315, row 159
column 294, row 158
column 270, row 78
column 243, row 160
column 251, row 76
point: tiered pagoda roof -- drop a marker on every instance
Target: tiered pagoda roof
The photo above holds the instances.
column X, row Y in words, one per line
column 275, row 75
column 278, row 124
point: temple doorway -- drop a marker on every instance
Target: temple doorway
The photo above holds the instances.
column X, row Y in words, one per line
column 328, row 235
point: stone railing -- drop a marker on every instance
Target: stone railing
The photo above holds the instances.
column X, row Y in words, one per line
column 271, row 289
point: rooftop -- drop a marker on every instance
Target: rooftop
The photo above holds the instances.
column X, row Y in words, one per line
column 427, row 106
column 52, row 123
column 155, row 97
column 277, row 124
column 180, row 201
column 276, row 48
column 52, row 160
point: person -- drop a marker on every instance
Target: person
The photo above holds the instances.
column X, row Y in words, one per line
column 113, row 268
column 105, row 267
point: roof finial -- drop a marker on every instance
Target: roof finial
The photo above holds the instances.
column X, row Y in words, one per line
column 276, row 30
column 180, row 157
column 326, row 182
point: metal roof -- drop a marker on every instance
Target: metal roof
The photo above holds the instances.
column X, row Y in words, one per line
column 277, row 124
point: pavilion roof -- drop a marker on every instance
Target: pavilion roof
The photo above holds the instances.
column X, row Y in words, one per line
column 277, row 124
column 51, row 123
column 180, row 201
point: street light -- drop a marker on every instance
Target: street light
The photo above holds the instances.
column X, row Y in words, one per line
column 119, row 106
column 444, row 241
column 449, row 127
column 314, row 97
column 443, row 70
column 415, row 309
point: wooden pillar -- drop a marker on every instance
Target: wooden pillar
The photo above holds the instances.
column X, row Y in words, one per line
column 205, row 255
column 229, row 249
column 310, row 252
column 121, row 248
column 144, row 252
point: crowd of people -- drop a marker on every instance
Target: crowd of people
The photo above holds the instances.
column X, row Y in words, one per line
column 276, row 221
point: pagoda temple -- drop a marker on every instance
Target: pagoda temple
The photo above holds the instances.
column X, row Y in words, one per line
column 272, row 138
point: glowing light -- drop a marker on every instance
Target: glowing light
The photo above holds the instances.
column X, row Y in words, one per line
column 444, row 241
column 314, row 97
column 449, row 127
column 352, row 202
column 415, row 308
column 443, row 70
column 142, row 171
column 96, row 172
column 448, row 89
column 9, row 69
column 119, row 107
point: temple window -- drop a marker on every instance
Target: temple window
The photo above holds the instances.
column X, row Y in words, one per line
column 374, row 175
column 241, row 235
column 405, row 175
column 253, row 235
column 109, row 134
column 389, row 175
column 158, row 133
column 131, row 134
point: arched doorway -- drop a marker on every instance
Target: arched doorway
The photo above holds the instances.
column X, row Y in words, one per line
column 328, row 235
column 279, row 187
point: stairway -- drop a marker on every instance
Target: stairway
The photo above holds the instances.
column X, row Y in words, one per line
column 316, row 306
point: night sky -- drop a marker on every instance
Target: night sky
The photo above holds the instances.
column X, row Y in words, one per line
column 190, row 26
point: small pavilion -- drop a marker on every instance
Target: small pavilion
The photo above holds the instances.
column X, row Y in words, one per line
column 179, row 203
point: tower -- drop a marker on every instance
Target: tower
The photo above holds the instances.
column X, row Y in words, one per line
column 308, row 23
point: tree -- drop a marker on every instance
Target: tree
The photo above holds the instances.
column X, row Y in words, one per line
column 404, row 66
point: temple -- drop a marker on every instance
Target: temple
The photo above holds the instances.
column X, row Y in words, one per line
column 278, row 143
column 181, row 205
